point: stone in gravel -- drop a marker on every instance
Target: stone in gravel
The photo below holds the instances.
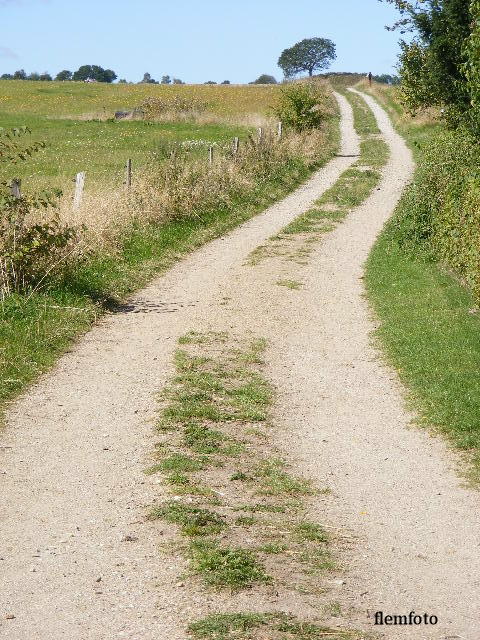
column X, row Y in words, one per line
column 129, row 538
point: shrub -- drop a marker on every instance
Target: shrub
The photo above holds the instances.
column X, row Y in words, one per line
column 303, row 106
column 440, row 213
column 31, row 249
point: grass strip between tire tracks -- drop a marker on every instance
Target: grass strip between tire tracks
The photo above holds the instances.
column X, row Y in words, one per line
column 239, row 513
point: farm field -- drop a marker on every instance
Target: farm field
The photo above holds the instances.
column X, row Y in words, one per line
column 75, row 120
column 123, row 238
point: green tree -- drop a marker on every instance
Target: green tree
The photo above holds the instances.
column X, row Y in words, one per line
column 147, row 79
column 63, row 76
column 265, row 79
column 471, row 67
column 309, row 55
column 108, row 76
column 94, row 72
column 20, row 75
column 386, row 78
column 166, row 79
column 432, row 63
column 45, row 77
column 33, row 76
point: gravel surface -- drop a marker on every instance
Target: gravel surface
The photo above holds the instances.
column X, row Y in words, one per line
column 78, row 559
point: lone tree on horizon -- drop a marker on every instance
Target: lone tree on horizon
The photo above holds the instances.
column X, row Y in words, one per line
column 311, row 54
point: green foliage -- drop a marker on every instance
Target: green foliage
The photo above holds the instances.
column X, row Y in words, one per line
column 265, row 79
column 302, row 106
column 63, row 76
column 433, row 64
column 440, row 213
column 29, row 250
column 249, row 626
column 311, row 531
column 430, row 336
column 274, row 481
column 94, row 72
column 471, row 67
column 232, row 567
column 386, row 78
column 193, row 521
column 147, row 79
column 227, row 626
column 311, row 54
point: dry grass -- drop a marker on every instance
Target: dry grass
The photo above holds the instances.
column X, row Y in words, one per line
column 74, row 99
column 182, row 186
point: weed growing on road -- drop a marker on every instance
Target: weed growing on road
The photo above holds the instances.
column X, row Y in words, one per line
column 296, row 241
column 255, row 626
column 363, row 117
column 290, row 284
column 240, row 510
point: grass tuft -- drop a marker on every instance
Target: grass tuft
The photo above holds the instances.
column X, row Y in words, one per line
column 274, row 481
column 193, row 521
column 232, row 567
column 257, row 626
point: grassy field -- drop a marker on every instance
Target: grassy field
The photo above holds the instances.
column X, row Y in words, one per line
column 429, row 328
column 129, row 238
column 96, row 100
column 76, row 122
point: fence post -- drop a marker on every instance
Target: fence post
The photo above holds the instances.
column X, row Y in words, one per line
column 128, row 174
column 15, row 188
column 79, row 184
column 279, row 130
column 210, row 155
column 260, row 135
column 236, row 143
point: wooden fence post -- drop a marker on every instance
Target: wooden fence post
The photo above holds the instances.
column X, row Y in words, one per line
column 236, row 143
column 279, row 130
column 128, row 174
column 15, row 188
column 79, row 184
column 210, row 155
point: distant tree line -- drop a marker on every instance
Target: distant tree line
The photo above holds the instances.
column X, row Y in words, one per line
column 85, row 73
column 386, row 78
column 147, row 79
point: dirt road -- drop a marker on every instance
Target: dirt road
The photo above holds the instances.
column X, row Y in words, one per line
column 78, row 559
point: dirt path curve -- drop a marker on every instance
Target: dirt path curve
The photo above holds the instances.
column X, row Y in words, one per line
column 393, row 487
column 73, row 482
column 77, row 559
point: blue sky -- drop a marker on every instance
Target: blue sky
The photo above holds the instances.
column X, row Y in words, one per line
column 195, row 41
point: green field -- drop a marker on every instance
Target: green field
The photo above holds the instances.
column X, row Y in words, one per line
column 76, row 122
column 125, row 239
